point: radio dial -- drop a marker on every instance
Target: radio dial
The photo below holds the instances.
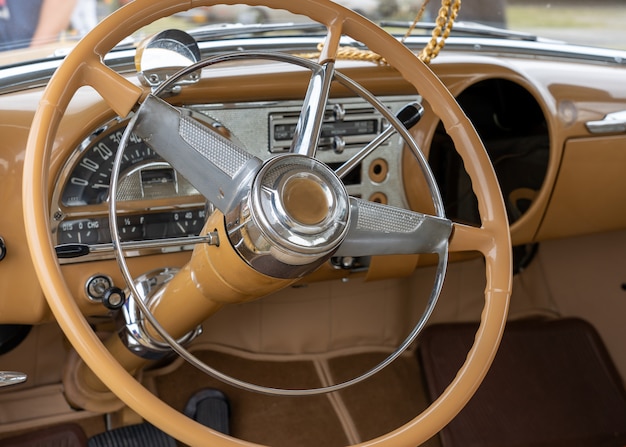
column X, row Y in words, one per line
column 338, row 145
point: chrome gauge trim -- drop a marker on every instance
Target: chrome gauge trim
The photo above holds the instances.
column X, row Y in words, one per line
column 143, row 248
column 174, row 227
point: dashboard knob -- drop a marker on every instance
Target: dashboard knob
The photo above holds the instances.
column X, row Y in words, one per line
column 114, row 298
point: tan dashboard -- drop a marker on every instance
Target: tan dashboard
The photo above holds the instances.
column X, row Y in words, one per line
column 558, row 178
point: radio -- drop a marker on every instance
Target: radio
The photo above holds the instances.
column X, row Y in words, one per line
column 345, row 125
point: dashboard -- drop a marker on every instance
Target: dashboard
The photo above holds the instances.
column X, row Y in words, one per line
column 559, row 179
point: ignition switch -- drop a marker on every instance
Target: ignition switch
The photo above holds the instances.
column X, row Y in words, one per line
column 97, row 286
column 101, row 288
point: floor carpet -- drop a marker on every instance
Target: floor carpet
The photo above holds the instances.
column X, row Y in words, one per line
column 376, row 406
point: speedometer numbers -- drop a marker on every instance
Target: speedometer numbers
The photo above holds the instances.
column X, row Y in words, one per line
column 88, row 182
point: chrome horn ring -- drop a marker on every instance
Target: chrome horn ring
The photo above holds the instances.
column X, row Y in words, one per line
column 288, row 214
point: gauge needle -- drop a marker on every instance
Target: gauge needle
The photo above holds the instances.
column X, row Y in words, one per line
column 179, row 225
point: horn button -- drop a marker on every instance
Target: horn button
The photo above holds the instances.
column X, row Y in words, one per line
column 294, row 218
column 305, row 199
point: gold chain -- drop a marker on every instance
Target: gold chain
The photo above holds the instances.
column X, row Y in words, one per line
column 443, row 26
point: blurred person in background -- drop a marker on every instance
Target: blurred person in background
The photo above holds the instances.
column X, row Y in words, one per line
column 29, row 23
column 85, row 16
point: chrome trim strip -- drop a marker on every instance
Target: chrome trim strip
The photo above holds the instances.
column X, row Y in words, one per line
column 31, row 75
column 146, row 247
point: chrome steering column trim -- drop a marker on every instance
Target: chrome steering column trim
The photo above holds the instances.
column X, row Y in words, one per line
column 131, row 321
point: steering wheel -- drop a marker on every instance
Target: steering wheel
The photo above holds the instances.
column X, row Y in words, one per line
column 330, row 211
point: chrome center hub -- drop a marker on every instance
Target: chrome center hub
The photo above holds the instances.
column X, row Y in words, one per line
column 293, row 219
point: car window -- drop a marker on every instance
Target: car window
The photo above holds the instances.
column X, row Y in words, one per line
column 33, row 29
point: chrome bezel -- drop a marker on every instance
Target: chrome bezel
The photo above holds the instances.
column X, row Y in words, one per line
column 60, row 212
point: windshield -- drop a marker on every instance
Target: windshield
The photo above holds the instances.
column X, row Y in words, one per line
column 36, row 29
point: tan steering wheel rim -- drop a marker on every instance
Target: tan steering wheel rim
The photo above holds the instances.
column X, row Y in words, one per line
column 84, row 66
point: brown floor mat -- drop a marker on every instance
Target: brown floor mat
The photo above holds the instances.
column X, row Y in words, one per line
column 67, row 435
column 551, row 384
column 386, row 401
column 268, row 420
column 377, row 405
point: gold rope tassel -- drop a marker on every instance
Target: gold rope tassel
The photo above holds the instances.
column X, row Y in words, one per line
column 443, row 26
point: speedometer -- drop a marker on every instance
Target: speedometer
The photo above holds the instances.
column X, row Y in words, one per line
column 88, row 181
column 160, row 206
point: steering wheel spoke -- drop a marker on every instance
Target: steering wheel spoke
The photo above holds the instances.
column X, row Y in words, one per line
column 377, row 229
column 216, row 167
column 309, row 127
column 469, row 238
column 119, row 93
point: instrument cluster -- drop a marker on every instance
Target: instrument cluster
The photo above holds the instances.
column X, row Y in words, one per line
column 155, row 203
